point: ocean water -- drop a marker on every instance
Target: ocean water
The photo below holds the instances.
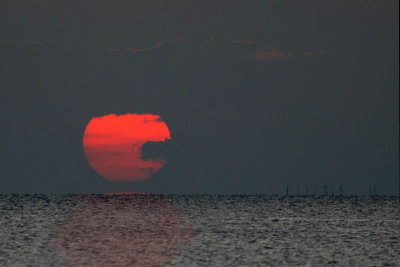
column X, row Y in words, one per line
column 198, row 230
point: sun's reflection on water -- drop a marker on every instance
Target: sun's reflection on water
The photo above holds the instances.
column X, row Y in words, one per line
column 123, row 230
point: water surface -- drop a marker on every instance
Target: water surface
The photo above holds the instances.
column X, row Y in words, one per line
column 198, row 230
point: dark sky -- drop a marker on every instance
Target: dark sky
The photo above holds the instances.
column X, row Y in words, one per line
column 256, row 94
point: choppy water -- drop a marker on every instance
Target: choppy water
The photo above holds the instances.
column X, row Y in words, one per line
column 152, row 230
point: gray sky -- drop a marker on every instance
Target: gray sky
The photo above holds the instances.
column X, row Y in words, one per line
column 256, row 94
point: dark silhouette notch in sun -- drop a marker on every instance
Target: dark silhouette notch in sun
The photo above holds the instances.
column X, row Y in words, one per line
column 113, row 145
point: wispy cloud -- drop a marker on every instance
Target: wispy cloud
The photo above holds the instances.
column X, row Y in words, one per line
column 263, row 51
column 26, row 42
column 270, row 54
column 129, row 50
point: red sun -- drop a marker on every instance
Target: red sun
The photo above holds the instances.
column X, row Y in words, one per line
column 113, row 145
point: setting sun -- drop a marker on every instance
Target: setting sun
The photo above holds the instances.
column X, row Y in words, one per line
column 113, row 145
